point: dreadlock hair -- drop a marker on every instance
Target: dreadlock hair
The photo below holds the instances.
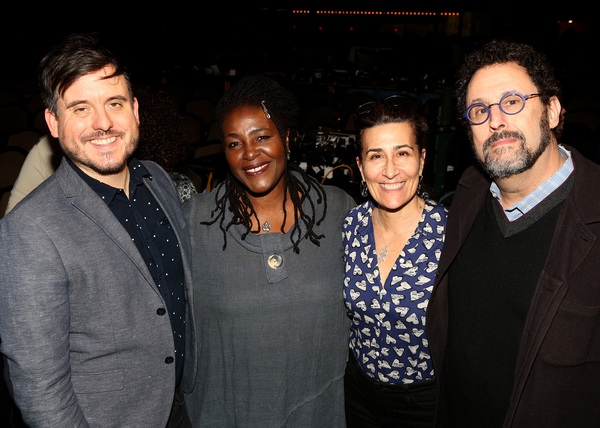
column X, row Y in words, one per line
column 281, row 107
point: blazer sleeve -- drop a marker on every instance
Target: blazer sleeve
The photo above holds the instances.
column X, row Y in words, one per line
column 34, row 326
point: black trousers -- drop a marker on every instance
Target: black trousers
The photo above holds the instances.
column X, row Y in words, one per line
column 371, row 404
column 179, row 416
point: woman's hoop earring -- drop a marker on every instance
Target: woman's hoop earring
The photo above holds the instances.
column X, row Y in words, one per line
column 364, row 190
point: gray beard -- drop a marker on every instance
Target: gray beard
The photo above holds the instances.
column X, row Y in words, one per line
column 523, row 158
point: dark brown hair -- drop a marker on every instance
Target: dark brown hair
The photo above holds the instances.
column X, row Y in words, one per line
column 500, row 52
column 77, row 55
column 395, row 109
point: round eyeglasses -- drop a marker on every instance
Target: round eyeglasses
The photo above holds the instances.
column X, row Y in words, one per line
column 511, row 103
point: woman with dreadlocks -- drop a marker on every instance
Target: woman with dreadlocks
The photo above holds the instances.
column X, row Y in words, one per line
column 272, row 330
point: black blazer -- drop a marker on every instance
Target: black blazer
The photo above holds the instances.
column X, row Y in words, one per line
column 557, row 377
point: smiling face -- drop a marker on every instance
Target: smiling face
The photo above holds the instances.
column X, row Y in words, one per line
column 391, row 164
column 97, row 124
column 254, row 151
column 507, row 145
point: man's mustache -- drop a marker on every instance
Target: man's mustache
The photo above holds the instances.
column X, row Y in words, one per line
column 102, row 134
column 500, row 135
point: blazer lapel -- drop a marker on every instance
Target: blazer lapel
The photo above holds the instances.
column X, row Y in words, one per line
column 572, row 242
column 89, row 204
column 473, row 188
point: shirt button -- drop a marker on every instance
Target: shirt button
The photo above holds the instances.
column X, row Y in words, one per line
column 275, row 261
column 161, row 311
column 169, row 360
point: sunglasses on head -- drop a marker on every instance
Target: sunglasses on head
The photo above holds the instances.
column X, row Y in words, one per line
column 391, row 101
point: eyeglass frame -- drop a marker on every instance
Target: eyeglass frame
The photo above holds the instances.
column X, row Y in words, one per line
column 499, row 104
column 395, row 100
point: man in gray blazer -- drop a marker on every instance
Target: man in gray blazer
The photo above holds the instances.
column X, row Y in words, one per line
column 96, row 327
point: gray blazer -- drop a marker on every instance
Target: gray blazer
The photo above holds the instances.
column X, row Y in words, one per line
column 81, row 334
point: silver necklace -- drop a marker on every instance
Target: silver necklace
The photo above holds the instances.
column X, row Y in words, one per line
column 384, row 251
column 266, row 226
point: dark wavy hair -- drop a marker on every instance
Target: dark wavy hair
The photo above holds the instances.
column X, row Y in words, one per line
column 162, row 130
column 396, row 109
column 76, row 56
column 500, row 52
column 264, row 92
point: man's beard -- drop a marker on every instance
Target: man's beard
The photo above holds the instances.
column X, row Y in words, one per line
column 522, row 159
column 107, row 163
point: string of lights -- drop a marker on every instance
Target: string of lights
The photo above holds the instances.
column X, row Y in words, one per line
column 375, row 13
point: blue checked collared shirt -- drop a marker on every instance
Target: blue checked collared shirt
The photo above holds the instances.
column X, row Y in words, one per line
column 546, row 188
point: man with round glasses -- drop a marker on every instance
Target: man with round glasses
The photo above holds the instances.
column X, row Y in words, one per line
column 514, row 318
column 511, row 103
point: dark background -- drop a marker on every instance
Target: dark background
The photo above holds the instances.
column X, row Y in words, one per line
column 332, row 62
